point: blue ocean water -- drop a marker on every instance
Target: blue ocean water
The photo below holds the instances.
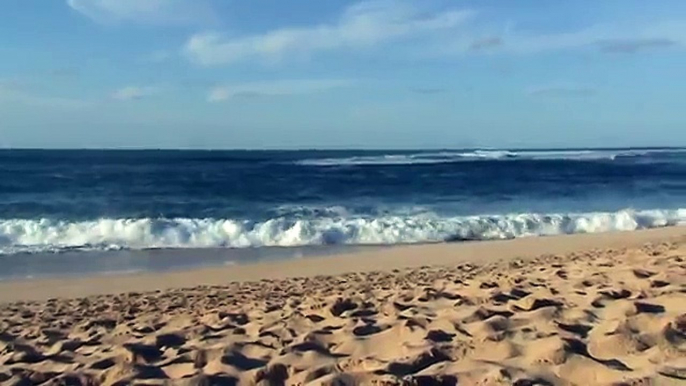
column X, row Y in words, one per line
column 74, row 200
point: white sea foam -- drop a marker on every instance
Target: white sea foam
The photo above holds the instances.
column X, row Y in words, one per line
column 28, row 236
column 464, row 156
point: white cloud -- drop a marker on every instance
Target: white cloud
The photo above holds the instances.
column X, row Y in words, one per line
column 135, row 92
column 561, row 90
column 275, row 88
column 158, row 12
column 361, row 25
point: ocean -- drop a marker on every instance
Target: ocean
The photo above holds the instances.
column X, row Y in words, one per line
column 119, row 205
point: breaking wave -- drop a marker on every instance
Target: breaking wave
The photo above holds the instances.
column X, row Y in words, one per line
column 495, row 155
column 46, row 235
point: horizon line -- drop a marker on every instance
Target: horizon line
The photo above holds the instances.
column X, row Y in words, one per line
column 277, row 149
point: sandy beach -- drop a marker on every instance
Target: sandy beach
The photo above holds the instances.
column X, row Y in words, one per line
column 601, row 309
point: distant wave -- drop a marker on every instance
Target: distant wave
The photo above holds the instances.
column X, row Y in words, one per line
column 44, row 235
column 498, row 155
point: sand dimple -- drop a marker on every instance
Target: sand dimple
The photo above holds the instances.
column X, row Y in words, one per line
column 595, row 317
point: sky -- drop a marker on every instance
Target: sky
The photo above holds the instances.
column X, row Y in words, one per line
column 266, row 74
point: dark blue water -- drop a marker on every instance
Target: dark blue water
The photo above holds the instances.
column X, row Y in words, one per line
column 101, row 200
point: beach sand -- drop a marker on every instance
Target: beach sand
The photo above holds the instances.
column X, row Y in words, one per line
column 570, row 310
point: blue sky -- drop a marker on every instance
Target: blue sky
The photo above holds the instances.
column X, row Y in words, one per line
column 340, row 74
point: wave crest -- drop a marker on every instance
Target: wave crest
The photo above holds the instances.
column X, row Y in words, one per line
column 44, row 235
column 491, row 155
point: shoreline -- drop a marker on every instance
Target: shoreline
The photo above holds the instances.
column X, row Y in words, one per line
column 69, row 265
column 383, row 259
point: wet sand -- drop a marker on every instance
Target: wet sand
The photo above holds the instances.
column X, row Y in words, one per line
column 582, row 309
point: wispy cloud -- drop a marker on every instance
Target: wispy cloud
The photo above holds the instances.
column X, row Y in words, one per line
column 12, row 84
column 135, row 92
column 275, row 88
column 156, row 12
column 362, row 25
column 486, row 43
column 561, row 90
column 606, row 38
column 414, row 27
column 11, row 91
column 158, row 56
column 428, row 90
column 64, row 73
column 610, row 37
column 632, row 46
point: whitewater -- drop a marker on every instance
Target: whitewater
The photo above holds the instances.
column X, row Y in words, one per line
column 429, row 157
column 45, row 235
